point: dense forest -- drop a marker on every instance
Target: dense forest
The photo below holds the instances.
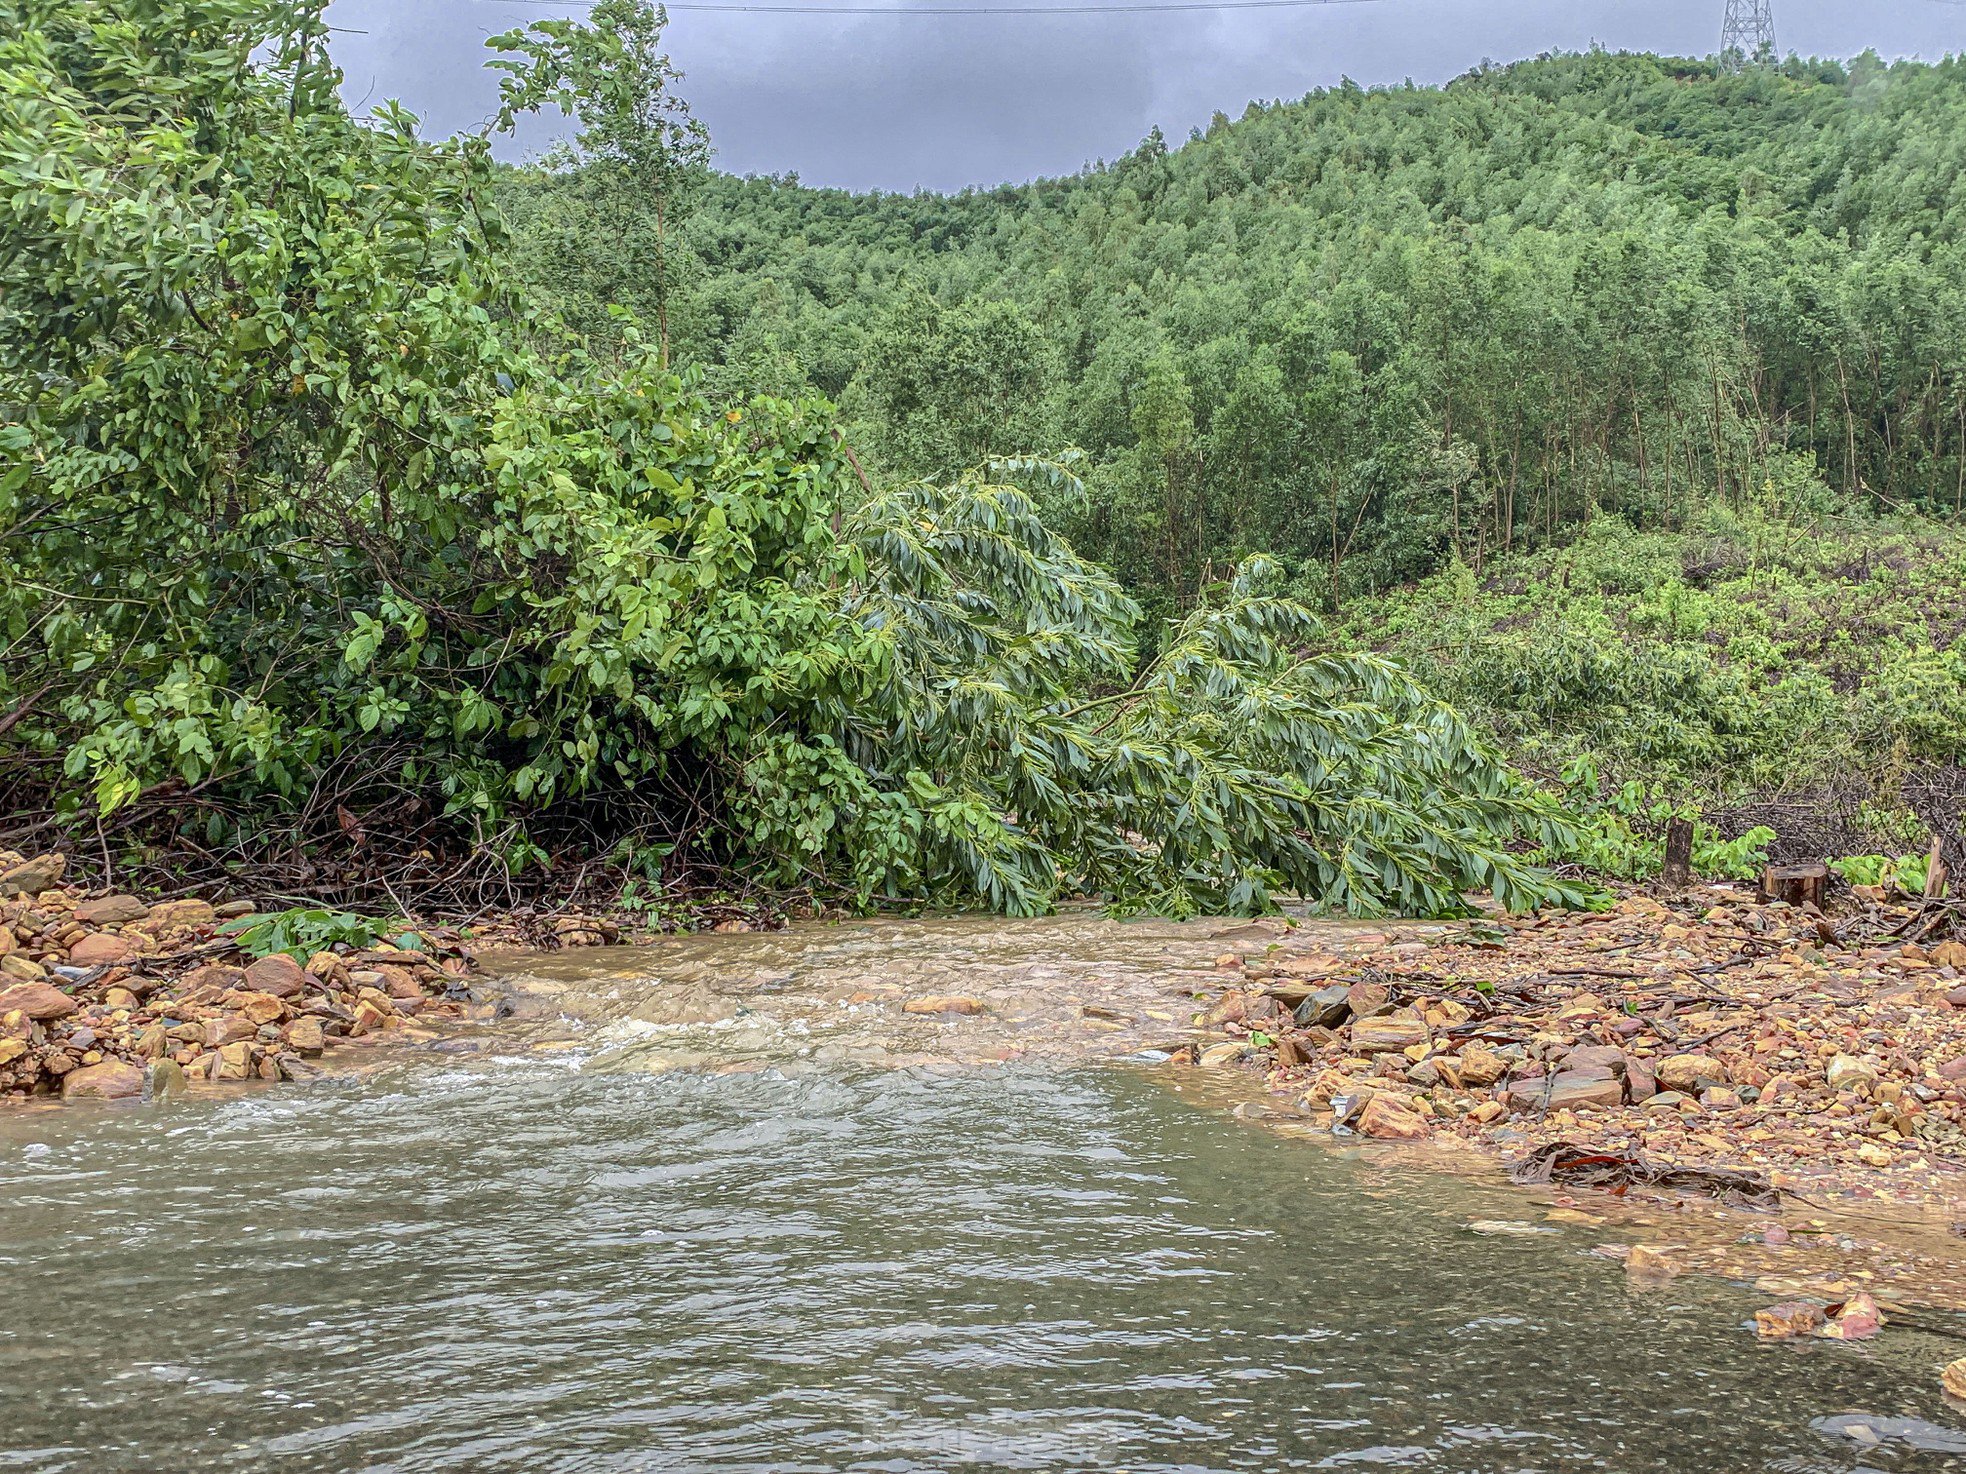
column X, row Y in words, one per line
column 347, row 560
column 1622, row 398
column 1370, row 332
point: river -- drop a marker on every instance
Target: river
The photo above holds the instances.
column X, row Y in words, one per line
column 595, row 1259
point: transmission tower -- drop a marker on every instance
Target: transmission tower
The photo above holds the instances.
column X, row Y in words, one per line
column 1748, row 32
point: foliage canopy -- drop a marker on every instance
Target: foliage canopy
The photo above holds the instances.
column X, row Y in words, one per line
column 321, row 543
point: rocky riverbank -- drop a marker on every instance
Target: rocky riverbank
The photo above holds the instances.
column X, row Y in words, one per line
column 107, row 995
column 1713, row 1044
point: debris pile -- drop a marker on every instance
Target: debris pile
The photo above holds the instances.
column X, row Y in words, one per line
column 1716, row 1043
column 109, row 996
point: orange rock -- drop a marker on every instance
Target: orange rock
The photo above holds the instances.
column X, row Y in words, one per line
column 942, row 1003
column 101, row 949
column 113, row 1079
column 1387, row 1120
column 37, row 1001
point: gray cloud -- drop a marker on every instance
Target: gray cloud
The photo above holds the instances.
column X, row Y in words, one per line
column 875, row 102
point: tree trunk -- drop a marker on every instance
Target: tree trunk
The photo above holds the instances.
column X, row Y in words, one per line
column 1678, row 874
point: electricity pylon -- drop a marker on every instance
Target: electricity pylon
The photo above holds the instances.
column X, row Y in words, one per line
column 1748, row 32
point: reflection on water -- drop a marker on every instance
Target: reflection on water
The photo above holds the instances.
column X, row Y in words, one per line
column 527, row 1265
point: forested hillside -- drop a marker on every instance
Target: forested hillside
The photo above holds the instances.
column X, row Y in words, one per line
column 1371, row 331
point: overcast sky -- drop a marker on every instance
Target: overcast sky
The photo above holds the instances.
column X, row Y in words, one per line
column 897, row 102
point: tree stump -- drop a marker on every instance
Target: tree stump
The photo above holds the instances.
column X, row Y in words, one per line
column 1799, row 885
column 1678, row 874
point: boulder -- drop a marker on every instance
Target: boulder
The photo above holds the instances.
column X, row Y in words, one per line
column 1591, row 1088
column 113, row 1079
column 307, row 1036
column 111, row 911
column 235, row 1061
column 39, row 1001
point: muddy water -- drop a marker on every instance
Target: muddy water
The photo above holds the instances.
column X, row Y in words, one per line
column 732, row 1218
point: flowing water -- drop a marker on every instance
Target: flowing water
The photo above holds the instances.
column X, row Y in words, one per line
column 734, row 1220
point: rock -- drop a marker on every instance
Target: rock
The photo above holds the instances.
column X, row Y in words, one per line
column 174, row 916
column 307, row 1036
column 367, row 1019
column 11, row 1050
column 1480, row 1067
column 1327, row 1008
column 1640, row 1083
column 1591, row 1088
column 22, row 969
column 235, row 1061
column 400, row 983
column 933, row 1003
column 278, row 975
column 39, row 1001
column 1228, row 1009
column 1669, row 1100
column 1648, row 1263
column 1690, row 1073
column 1367, row 999
column 1847, row 1072
column 1385, row 1119
column 1389, row 1033
column 1856, row 1319
column 111, row 911
column 120, row 999
column 260, row 1008
column 113, row 1079
column 1719, row 1099
column 299, row 1070
column 101, row 949
column 1217, row 1055
column 1596, row 1056
column 1953, row 1379
column 1788, row 1320
column 233, row 910
column 167, row 1078
column 31, row 877
column 216, row 977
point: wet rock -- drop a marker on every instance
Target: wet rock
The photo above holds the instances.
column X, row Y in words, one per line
column 1385, row 1119
column 1646, row 1262
column 1953, row 1379
column 101, row 949
column 1326, row 1008
column 113, row 1079
column 111, row 911
column 1856, row 1319
column 1229, row 1009
column 933, row 1003
column 292, row 1067
column 1691, row 1073
column 166, row 1079
column 1389, row 1033
column 1788, row 1320
column 37, row 1001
